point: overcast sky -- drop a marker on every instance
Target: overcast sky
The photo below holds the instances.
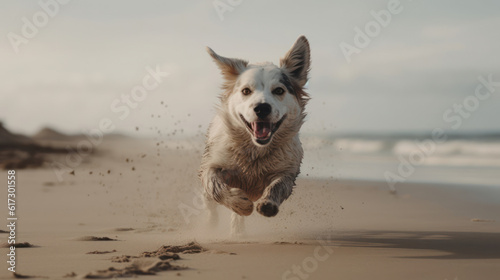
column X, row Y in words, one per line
column 90, row 53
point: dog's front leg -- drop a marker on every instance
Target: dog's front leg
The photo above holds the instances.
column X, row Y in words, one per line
column 274, row 194
column 216, row 188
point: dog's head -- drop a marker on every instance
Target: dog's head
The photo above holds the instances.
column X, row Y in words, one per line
column 261, row 98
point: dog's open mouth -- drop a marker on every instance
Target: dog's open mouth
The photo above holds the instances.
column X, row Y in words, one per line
column 263, row 131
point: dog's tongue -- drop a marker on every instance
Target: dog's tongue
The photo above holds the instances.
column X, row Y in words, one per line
column 261, row 129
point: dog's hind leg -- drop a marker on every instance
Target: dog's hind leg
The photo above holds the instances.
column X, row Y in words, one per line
column 274, row 194
column 237, row 225
column 233, row 198
column 213, row 216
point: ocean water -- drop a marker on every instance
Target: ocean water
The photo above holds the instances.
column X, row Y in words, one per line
column 470, row 161
column 458, row 160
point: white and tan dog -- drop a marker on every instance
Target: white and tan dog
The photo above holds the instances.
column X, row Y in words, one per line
column 253, row 152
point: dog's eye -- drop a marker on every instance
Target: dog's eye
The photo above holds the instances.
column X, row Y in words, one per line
column 278, row 91
column 246, row 91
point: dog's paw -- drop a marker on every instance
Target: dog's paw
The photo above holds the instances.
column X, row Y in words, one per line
column 267, row 208
column 238, row 202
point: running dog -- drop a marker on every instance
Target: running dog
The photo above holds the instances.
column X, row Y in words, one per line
column 253, row 152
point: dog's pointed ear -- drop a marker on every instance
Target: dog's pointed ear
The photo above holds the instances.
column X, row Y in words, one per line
column 298, row 60
column 229, row 67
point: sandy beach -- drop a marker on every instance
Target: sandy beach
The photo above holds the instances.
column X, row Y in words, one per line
column 107, row 109
column 141, row 196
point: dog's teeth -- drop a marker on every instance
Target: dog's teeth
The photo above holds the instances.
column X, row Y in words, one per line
column 269, row 133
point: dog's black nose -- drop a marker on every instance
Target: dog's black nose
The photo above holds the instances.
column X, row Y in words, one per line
column 262, row 110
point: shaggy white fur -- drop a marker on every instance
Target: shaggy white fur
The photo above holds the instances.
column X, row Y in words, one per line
column 253, row 152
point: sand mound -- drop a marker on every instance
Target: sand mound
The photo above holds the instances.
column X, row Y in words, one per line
column 7, row 137
column 21, row 152
column 48, row 133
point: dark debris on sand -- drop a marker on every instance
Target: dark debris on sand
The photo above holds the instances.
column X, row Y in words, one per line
column 21, row 276
column 133, row 270
column 164, row 253
column 124, row 229
column 18, row 245
column 140, row 265
column 122, row 258
column 126, row 258
column 24, row 245
column 287, row 243
column 161, row 256
column 70, row 275
column 100, row 252
column 190, row 248
column 95, row 238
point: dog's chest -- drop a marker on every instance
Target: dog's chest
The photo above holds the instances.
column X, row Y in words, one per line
column 252, row 174
column 252, row 185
